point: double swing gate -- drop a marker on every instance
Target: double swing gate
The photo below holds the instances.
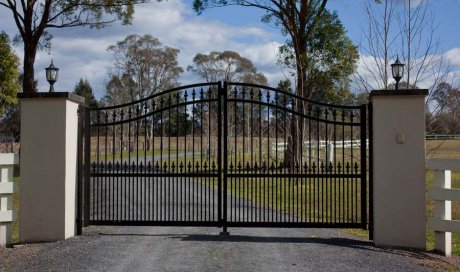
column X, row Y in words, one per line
column 226, row 155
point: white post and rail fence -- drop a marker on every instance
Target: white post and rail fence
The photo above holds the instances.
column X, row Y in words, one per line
column 443, row 195
column 7, row 188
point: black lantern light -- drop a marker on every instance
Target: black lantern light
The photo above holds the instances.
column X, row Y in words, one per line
column 52, row 75
column 397, row 69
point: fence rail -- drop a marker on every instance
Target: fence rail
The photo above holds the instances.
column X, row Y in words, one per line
column 443, row 195
column 324, row 144
column 430, row 137
column 7, row 188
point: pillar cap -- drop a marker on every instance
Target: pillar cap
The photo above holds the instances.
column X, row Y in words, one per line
column 70, row 96
column 399, row 92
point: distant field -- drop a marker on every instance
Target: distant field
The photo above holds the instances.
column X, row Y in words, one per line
column 448, row 149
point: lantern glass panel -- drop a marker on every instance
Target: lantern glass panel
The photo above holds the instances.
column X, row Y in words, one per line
column 48, row 74
column 393, row 70
column 53, row 74
column 400, row 70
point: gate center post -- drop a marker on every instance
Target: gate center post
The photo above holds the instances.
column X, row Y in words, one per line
column 222, row 114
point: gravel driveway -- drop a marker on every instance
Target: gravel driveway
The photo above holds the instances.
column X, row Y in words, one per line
column 202, row 249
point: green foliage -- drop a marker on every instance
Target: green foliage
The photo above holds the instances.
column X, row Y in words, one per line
column 318, row 50
column 83, row 88
column 63, row 13
column 119, row 90
column 34, row 18
column 228, row 66
column 142, row 66
column 9, row 74
column 332, row 60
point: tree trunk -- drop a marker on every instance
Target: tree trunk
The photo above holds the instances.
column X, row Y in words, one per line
column 28, row 82
column 293, row 152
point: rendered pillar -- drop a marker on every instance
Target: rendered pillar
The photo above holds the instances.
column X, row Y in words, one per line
column 49, row 126
column 399, row 168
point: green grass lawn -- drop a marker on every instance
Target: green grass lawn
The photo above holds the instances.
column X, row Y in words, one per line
column 311, row 200
column 134, row 154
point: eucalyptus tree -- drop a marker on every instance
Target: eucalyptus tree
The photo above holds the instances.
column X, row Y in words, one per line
column 228, row 66
column 145, row 65
column 119, row 90
column 34, row 19
column 333, row 59
column 297, row 19
column 300, row 21
column 142, row 66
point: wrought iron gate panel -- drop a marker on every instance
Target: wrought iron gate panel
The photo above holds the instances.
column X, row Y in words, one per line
column 319, row 183
column 155, row 161
column 225, row 154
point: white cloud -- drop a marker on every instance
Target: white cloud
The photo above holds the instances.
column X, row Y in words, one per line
column 262, row 54
column 81, row 52
column 453, row 56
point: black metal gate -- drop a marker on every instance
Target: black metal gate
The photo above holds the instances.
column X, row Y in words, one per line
column 226, row 155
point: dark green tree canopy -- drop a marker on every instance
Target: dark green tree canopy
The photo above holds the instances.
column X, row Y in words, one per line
column 9, row 74
column 83, row 88
column 332, row 60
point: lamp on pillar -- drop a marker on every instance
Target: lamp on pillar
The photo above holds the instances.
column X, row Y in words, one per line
column 397, row 69
column 52, row 75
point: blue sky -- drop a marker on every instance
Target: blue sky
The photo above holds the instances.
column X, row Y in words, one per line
column 352, row 15
column 81, row 52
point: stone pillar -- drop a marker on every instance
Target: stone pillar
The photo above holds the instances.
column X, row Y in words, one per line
column 399, row 168
column 49, row 126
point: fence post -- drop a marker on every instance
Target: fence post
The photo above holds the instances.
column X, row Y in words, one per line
column 330, row 153
column 7, row 188
column 442, row 211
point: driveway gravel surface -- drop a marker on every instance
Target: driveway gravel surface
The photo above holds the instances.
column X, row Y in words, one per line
column 104, row 248
column 203, row 249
